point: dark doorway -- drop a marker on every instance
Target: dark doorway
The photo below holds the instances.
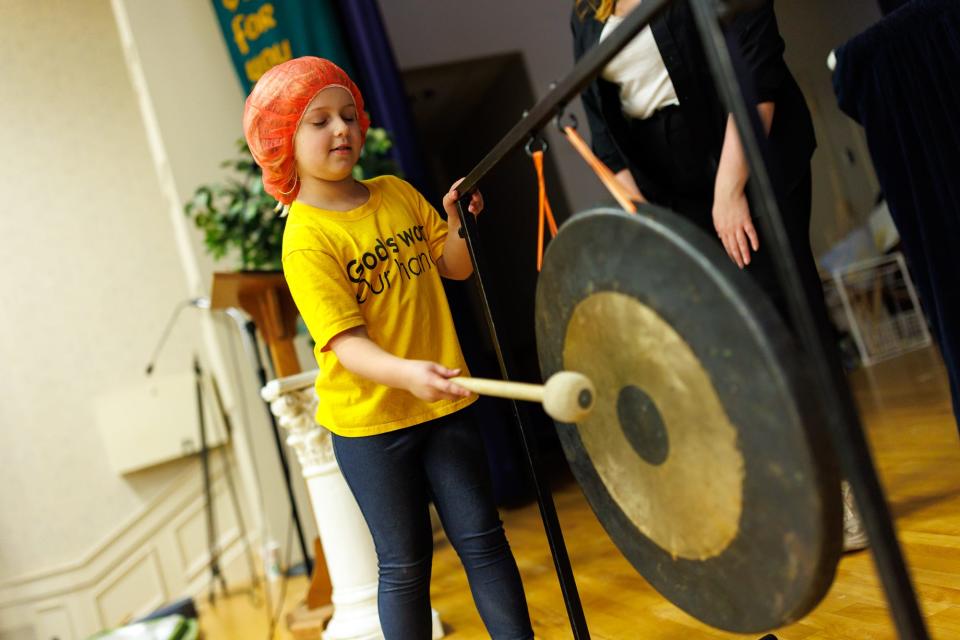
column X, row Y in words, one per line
column 461, row 110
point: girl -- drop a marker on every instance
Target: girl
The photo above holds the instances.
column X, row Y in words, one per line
column 363, row 260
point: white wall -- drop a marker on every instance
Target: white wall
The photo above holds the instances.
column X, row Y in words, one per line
column 113, row 113
column 90, row 273
column 192, row 104
column 844, row 190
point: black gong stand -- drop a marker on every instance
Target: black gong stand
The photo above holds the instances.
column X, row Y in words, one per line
column 844, row 423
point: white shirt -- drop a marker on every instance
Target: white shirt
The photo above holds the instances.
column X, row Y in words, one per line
column 645, row 85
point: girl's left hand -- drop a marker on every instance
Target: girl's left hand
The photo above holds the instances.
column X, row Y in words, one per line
column 450, row 202
column 731, row 219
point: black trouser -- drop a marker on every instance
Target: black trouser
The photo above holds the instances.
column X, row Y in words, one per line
column 671, row 154
column 684, row 170
column 393, row 477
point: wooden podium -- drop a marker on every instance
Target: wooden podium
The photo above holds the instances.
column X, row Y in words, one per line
column 264, row 295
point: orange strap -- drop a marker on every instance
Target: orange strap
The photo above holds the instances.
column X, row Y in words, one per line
column 603, row 172
column 545, row 212
column 619, row 192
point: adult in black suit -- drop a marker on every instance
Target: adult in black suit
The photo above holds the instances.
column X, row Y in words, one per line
column 657, row 121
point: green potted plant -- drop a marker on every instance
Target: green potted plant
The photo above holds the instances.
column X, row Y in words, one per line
column 239, row 216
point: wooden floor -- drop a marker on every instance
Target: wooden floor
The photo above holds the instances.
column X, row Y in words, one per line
column 905, row 406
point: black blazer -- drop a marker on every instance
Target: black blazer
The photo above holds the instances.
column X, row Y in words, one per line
column 792, row 140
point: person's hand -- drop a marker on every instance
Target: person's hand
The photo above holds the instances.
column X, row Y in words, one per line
column 429, row 381
column 450, row 203
column 731, row 219
column 625, row 180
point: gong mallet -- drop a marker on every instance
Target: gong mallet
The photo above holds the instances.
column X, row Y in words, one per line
column 567, row 396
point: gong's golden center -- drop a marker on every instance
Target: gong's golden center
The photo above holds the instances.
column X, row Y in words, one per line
column 690, row 503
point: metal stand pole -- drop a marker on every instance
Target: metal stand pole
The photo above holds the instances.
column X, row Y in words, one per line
column 843, row 420
column 548, row 511
column 213, row 546
column 845, row 428
column 250, row 331
column 232, row 488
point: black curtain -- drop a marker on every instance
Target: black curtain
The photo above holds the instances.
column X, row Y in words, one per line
column 900, row 79
column 888, row 6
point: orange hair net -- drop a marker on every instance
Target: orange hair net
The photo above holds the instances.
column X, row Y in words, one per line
column 273, row 111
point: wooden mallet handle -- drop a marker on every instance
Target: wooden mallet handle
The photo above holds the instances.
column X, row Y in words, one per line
column 567, row 396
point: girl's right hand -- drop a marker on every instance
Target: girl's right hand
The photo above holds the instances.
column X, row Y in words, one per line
column 428, row 381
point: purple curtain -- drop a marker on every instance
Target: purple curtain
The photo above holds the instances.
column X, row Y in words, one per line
column 382, row 87
column 889, row 6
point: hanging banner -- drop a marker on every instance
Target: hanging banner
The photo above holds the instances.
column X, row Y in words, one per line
column 263, row 33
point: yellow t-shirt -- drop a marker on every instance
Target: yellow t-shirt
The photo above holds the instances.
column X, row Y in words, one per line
column 375, row 265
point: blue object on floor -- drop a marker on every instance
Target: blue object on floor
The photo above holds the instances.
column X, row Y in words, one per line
column 184, row 607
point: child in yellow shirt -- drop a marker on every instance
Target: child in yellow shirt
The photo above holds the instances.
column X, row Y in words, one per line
column 363, row 260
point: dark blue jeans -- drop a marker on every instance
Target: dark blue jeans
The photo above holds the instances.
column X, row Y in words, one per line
column 394, row 476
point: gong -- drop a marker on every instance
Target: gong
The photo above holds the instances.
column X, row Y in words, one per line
column 705, row 457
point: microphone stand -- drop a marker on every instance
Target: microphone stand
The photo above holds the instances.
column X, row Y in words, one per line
column 248, row 333
column 213, row 545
